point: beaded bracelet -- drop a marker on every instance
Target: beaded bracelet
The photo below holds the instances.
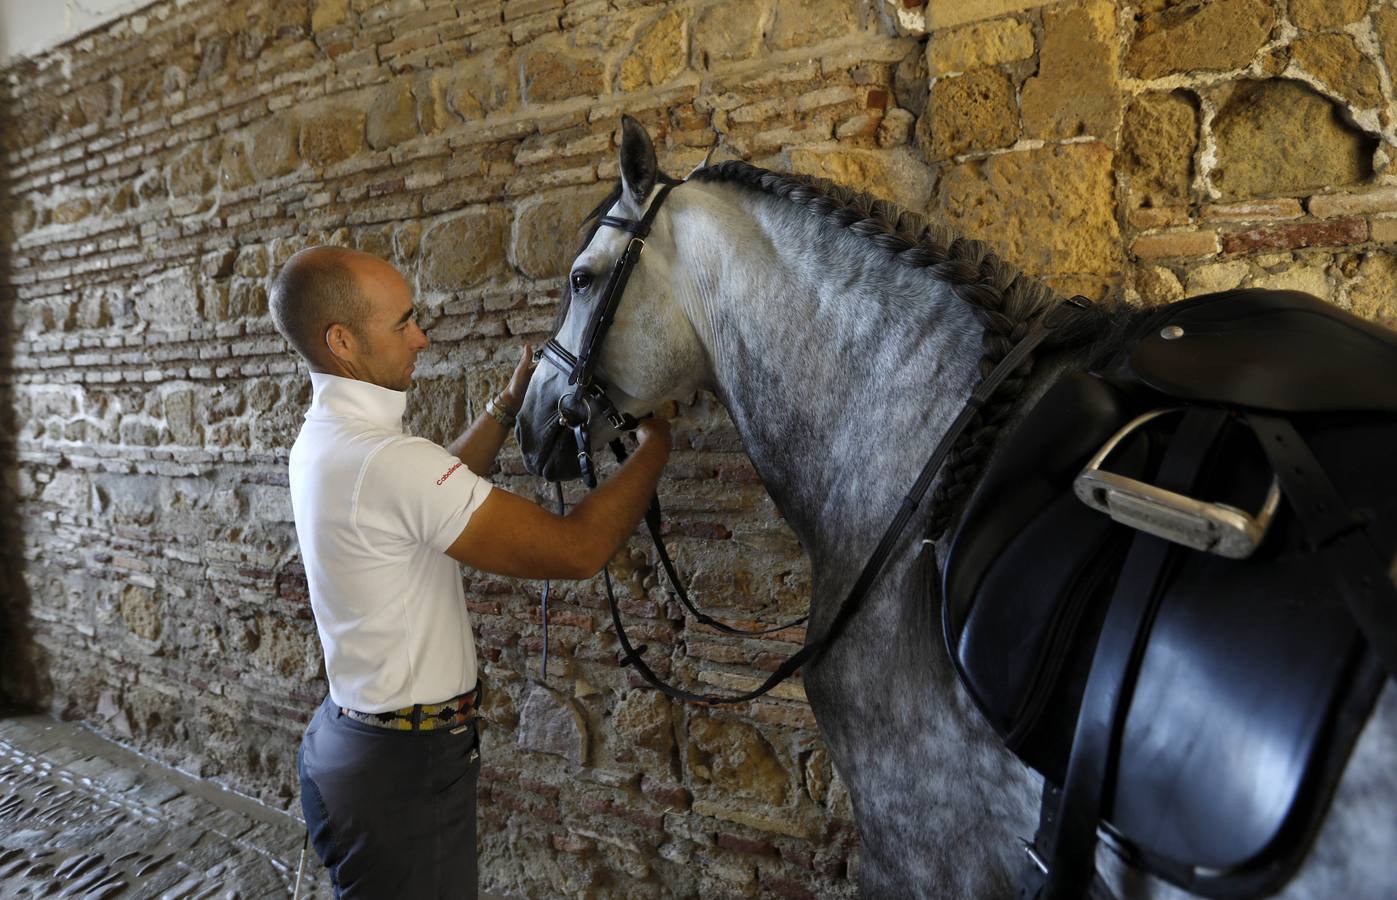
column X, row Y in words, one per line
column 499, row 412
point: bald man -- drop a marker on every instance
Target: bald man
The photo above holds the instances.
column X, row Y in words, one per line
column 389, row 761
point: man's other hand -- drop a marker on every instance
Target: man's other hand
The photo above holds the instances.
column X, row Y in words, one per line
column 519, row 381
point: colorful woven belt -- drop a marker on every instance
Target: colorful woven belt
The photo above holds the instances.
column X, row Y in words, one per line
column 454, row 713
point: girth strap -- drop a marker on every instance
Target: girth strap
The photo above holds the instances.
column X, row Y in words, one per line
column 1071, row 856
column 1338, row 537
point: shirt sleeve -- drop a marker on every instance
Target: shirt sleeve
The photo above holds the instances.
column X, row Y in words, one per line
column 415, row 489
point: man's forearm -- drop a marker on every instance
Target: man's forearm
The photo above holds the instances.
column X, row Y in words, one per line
column 611, row 512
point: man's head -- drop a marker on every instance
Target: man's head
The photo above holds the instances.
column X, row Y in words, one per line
column 348, row 313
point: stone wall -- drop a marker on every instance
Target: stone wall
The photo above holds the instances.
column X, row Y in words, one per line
column 158, row 170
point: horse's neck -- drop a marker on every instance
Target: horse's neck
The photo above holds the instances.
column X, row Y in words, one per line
column 840, row 368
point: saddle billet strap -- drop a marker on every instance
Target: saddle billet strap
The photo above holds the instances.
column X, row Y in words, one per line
column 653, row 525
column 1338, row 537
column 1037, row 333
column 1071, row 855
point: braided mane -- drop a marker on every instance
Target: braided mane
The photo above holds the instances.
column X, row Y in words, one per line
column 1004, row 298
column 1002, row 295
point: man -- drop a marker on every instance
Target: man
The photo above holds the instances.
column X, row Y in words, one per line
column 389, row 762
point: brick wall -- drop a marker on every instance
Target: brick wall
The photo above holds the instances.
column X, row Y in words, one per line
column 158, row 170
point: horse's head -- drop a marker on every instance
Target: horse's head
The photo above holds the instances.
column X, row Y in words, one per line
column 647, row 356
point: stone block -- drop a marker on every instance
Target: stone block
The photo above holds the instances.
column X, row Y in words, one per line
column 169, row 299
column 182, row 408
column 1327, row 206
column 1384, row 231
column 552, row 72
column 462, row 251
column 1076, row 91
column 1385, row 24
column 645, row 718
column 1337, row 62
column 481, row 85
column 1332, row 233
column 977, row 46
column 975, row 111
column 332, row 135
column 801, row 23
column 1159, row 141
column 1220, row 276
column 392, row 116
column 140, row 612
column 1373, row 293
column 1309, row 277
column 272, row 146
column 1151, row 217
column 1317, row 15
column 660, row 53
column 547, row 231
column 194, row 171
column 1252, row 210
column 1175, row 244
column 897, row 176
column 551, row 723
column 1050, row 210
column 946, row 13
column 1157, row 285
column 729, row 31
column 1187, row 37
column 430, row 95
column 328, row 13
column 1320, row 150
column 735, row 757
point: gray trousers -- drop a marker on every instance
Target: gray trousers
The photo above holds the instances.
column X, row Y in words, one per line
column 391, row 813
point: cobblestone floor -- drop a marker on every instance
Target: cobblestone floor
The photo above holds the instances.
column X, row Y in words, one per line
column 83, row 817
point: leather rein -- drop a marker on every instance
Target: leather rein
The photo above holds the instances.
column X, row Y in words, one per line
column 575, row 413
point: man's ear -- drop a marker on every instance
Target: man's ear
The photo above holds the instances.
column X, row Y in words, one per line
column 341, row 342
column 639, row 169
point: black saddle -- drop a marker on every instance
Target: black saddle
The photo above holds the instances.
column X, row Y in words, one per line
column 1198, row 708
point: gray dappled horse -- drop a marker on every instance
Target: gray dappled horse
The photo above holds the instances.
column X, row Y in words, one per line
column 843, row 336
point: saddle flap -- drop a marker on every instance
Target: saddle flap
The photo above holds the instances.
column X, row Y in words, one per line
column 1275, row 350
column 1253, row 684
column 1026, row 541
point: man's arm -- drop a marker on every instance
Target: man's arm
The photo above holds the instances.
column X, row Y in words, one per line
column 478, row 446
column 508, row 535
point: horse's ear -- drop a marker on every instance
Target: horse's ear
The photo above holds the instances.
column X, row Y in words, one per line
column 638, row 167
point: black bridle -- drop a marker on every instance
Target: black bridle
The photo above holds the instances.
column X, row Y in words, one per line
column 575, row 407
column 575, row 414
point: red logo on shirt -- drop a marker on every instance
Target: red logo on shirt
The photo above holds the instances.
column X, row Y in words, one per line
column 442, row 479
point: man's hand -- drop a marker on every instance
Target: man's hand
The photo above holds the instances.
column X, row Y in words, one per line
column 519, row 381
column 655, row 428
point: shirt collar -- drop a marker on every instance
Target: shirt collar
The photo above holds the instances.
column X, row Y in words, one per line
column 352, row 399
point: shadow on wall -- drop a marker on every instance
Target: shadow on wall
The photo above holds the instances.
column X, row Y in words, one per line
column 20, row 686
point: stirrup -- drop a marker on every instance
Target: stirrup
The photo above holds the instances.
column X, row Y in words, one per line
column 1212, row 527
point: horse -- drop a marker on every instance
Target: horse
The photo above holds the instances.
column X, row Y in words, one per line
column 843, row 335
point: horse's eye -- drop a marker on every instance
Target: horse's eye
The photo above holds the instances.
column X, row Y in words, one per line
column 581, row 281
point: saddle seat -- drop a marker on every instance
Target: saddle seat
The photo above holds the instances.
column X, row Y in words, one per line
column 1254, row 679
column 1277, row 350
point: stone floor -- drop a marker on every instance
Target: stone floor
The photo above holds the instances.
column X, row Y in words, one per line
column 83, row 817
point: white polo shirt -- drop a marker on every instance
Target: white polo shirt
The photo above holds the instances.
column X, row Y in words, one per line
column 375, row 511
